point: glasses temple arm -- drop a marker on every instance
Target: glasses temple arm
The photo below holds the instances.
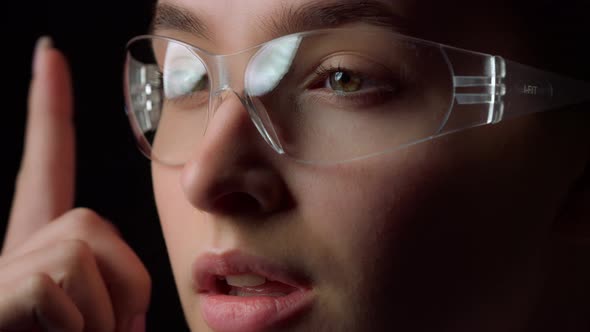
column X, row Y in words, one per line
column 515, row 89
column 530, row 90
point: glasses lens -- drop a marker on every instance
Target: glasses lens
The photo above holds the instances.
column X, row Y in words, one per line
column 167, row 92
column 324, row 96
column 338, row 95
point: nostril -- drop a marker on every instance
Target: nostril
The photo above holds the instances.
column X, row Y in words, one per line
column 238, row 203
column 227, row 183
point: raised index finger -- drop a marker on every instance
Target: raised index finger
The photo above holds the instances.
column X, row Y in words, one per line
column 45, row 184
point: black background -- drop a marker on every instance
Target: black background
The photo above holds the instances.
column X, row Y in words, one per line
column 112, row 176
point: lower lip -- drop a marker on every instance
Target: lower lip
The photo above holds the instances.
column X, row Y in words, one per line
column 224, row 313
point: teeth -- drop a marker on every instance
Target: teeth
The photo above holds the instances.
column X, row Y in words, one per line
column 245, row 280
column 237, row 292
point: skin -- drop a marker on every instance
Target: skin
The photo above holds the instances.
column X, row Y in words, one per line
column 470, row 232
column 428, row 238
column 62, row 269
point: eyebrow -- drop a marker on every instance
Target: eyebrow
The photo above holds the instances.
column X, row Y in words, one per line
column 172, row 17
column 319, row 15
column 290, row 19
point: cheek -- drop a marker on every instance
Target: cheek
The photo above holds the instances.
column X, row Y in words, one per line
column 479, row 185
column 179, row 220
column 434, row 226
column 174, row 211
column 355, row 216
column 361, row 204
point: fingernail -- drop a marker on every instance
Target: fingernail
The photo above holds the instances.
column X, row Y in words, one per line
column 44, row 43
column 138, row 324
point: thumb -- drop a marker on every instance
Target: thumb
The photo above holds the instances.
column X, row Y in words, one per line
column 45, row 184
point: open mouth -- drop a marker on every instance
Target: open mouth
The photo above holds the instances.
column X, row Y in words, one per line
column 247, row 285
column 244, row 293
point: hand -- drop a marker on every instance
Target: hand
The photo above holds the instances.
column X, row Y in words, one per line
column 62, row 269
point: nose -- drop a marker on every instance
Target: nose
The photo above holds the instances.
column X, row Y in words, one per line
column 232, row 173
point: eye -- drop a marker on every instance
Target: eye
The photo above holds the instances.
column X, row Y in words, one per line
column 354, row 84
column 182, row 82
column 344, row 81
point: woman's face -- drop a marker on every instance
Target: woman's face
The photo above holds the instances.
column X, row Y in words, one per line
column 451, row 235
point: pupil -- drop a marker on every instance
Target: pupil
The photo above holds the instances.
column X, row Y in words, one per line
column 342, row 77
column 345, row 82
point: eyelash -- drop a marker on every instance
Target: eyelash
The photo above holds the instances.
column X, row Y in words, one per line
column 323, row 72
column 365, row 97
column 180, row 100
column 361, row 98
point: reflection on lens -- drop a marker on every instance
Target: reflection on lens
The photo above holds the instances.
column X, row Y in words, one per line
column 183, row 72
column 169, row 91
column 354, row 93
column 328, row 95
column 270, row 65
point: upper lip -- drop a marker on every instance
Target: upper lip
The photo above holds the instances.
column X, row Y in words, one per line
column 209, row 267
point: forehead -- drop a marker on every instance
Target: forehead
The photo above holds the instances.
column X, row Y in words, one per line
column 237, row 24
column 244, row 23
column 222, row 14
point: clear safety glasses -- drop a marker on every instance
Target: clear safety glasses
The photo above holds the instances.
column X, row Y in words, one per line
column 329, row 95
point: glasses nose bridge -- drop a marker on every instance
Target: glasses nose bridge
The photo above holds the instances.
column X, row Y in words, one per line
column 228, row 74
column 228, row 79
